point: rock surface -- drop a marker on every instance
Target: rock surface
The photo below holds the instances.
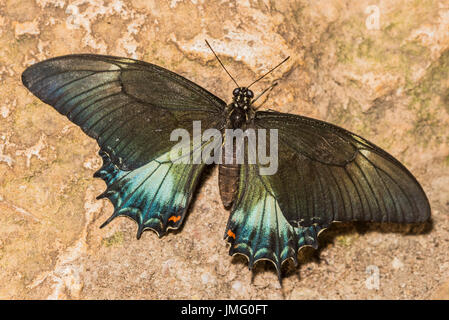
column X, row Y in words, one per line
column 381, row 71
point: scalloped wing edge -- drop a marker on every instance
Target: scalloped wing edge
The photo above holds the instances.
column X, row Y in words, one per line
column 305, row 237
column 110, row 173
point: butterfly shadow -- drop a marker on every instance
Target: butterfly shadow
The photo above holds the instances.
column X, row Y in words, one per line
column 336, row 232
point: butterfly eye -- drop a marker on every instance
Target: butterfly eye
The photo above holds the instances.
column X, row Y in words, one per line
column 236, row 91
column 249, row 94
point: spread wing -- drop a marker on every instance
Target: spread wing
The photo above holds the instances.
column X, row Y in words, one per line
column 131, row 107
column 325, row 174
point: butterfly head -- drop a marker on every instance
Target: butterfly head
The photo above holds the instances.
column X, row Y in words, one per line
column 242, row 97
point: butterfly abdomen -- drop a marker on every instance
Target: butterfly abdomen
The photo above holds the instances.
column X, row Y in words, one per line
column 228, row 179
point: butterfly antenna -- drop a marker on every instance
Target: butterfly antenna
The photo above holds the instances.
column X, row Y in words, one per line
column 263, row 92
column 221, row 63
column 269, row 72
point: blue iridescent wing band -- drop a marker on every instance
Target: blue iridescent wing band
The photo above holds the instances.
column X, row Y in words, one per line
column 156, row 195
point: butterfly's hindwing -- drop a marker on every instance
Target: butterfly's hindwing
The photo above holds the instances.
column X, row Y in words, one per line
column 257, row 227
column 155, row 195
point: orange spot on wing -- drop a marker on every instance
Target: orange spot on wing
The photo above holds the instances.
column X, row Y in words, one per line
column 231, row 234
column 174, row 218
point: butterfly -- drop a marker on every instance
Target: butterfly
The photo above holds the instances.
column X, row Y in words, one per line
column 325, row 173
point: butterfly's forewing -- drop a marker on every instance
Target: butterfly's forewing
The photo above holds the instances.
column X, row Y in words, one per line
column 325, row 174
column 328, row 174
column 131, row 107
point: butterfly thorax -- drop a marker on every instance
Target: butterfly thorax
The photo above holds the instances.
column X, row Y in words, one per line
column 239, row 113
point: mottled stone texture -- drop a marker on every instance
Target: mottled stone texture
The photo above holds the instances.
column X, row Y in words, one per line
column 389, row 82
